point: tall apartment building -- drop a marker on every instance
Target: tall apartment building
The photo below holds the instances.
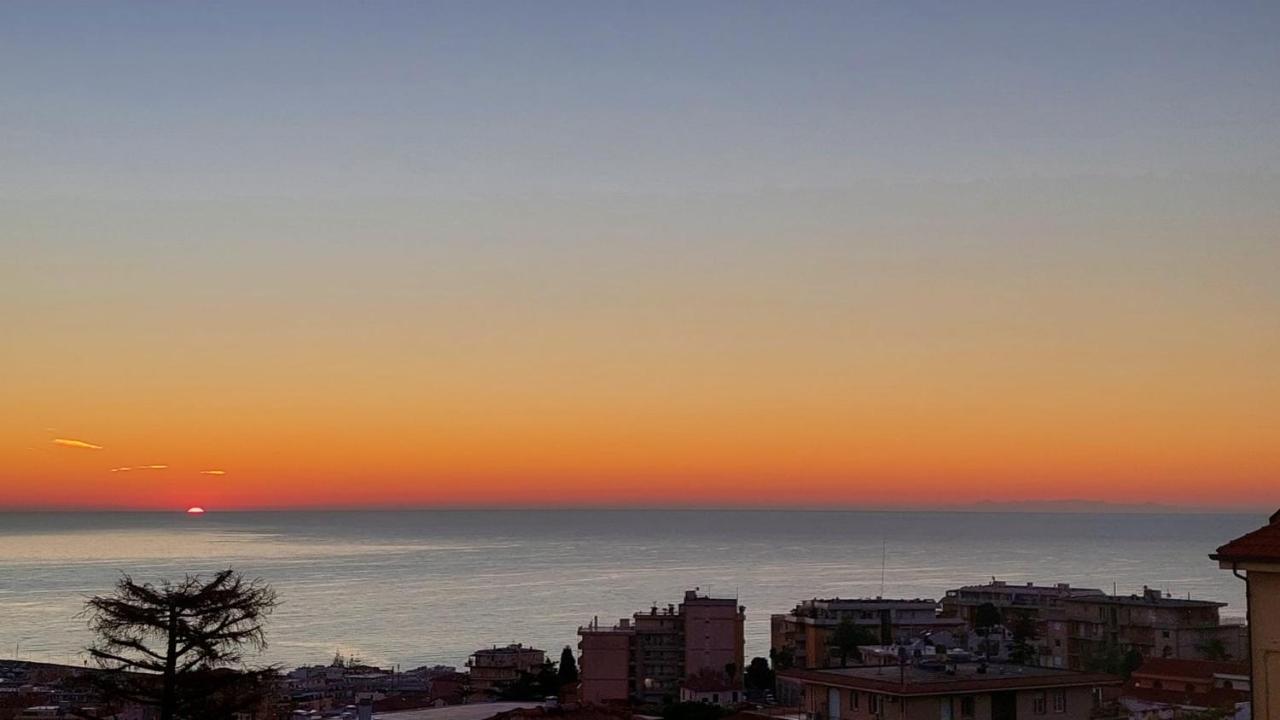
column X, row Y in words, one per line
column 648, row 656
column 494, row 667
column 1154, row 625
column 803, row 635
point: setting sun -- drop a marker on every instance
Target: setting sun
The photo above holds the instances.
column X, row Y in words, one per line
column 195, row 510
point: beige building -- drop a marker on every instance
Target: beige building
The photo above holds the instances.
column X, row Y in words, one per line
column 1151, row 623
column 1256, row 559
column 1040, row 601
column 966, row 691
column 803, row 635
column 1044, row 605
column 494, row 667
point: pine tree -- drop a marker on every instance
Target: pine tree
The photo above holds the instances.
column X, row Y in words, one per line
column 180, row 646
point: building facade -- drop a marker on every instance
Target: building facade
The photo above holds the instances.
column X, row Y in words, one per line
column 968, row 691
column 1255, row 558
column 1043, row 605
column 492, row 668
column 649, row 656
column 1042, row 601
column 1152, row 624
column 803, row 635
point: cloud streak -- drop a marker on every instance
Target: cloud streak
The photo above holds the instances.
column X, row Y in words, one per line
column 140, row 467
column 213, row 472
column 69, row 443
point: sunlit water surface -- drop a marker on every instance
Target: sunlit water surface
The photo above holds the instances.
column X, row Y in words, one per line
column 432, row 586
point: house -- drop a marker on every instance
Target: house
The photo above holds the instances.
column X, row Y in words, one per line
column 1255, row 558
column 711, row 687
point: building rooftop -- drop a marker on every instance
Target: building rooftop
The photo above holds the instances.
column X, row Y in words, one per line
column 964, row 677
column 512, row 648
column 1215, row 698
column 1261, row 545
column 1148, row 598
column 1190, row 669
column 1000, row 585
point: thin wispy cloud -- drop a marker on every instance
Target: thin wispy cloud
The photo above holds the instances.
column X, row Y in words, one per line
column 140, row 467
column 213, row 472
column 70, row 443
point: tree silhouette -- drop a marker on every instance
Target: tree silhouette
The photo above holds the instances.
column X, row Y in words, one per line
column 986, row 617
column 847, row 638
column 1213, row 649
column 1023, row 626
column 568, row 667
column 759, row 675
column 178, row 646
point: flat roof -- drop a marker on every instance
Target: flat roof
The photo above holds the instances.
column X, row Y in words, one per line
column 967, row 677
column 1135, row 600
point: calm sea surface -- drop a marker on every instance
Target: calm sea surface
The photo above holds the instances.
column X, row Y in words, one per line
column 432, row 586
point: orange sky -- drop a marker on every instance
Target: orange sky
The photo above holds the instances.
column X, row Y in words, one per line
column 564, row 254
column 760, row 377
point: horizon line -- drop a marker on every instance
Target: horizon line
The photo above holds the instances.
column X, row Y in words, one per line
column 1029, row 507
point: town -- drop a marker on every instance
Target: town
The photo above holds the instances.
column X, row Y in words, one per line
column 994, row 650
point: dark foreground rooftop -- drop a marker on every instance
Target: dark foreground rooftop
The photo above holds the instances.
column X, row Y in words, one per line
column 963, row 677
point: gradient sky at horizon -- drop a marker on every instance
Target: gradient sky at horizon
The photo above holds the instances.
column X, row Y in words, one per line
column 321, row 254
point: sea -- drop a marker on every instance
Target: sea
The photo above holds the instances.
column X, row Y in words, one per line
column 411, row 588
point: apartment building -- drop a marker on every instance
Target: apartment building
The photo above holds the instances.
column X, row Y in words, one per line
column 1151, row 623
column 649, row 656
column 1040, row 601
column 803, row 635
column 494, row 667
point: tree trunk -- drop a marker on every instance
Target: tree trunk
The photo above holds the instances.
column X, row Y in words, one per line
column 168, row 697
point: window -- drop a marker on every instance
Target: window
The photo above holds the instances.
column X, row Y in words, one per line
column 875, row 703
column 1059, row 701
column 966, row 707
column 1164, row 634
column 853, row 699
column 1038, row 703
column 944, row 708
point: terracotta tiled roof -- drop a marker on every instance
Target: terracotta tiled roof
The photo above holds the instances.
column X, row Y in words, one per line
column 1261, row 545
column 1215, row 698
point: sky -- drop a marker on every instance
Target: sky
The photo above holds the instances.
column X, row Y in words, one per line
column 290, row 255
